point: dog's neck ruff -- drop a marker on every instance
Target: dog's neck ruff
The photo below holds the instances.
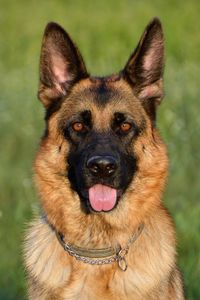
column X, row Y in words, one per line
column 101, row 256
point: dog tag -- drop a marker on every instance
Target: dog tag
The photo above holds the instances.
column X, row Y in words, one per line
column 122, row 264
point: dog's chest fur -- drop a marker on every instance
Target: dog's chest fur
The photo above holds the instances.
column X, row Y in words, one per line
column 67, row 278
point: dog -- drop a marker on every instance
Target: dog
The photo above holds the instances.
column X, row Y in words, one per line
column 100, row 171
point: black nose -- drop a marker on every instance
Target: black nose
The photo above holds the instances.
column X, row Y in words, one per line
column 103, row 166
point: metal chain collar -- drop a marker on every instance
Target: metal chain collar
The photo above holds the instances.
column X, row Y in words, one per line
column 100, row 256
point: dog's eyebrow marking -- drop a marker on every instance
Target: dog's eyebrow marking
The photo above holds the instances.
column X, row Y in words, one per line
column 86, row 116
column 119, row 117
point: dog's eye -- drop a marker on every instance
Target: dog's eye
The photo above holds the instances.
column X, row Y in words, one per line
column 78, row 126
column 125, row 126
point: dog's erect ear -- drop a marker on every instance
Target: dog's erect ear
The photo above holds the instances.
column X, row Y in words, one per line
column 144, row 69
column 61, row 65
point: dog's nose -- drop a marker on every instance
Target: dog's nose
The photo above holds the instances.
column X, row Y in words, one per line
column 103, row 166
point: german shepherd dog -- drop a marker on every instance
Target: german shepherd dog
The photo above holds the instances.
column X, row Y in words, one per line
column 100, row 172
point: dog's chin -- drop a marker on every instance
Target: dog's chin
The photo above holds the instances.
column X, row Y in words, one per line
column 89, row 208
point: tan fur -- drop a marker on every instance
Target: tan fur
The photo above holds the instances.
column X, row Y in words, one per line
column 152, row 272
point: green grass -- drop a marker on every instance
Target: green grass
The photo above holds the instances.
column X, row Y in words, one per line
column 106, row 32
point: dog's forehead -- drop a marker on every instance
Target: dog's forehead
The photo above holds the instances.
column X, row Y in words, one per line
column 103, row 90
column 103, row 95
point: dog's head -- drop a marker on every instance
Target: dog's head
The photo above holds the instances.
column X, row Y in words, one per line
column 100, row 140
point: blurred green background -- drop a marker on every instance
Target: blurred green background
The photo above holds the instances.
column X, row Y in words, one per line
column 106, row 32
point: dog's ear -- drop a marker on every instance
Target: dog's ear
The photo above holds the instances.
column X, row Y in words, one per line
column 61, row 65
column 144, row 69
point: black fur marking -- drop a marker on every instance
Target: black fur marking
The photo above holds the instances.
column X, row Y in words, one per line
column 103, row 94
column 150, row 107
column 53, row 107
column 141, row 127
column 100, row 144
column 102, row 91
column 119, row 118
column 87, row 117
column 75, row 137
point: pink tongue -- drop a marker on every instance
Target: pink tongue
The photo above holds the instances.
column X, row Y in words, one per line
column 102, row 197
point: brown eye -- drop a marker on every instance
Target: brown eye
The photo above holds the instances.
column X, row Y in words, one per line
column 78, row 126
column 125, row 127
